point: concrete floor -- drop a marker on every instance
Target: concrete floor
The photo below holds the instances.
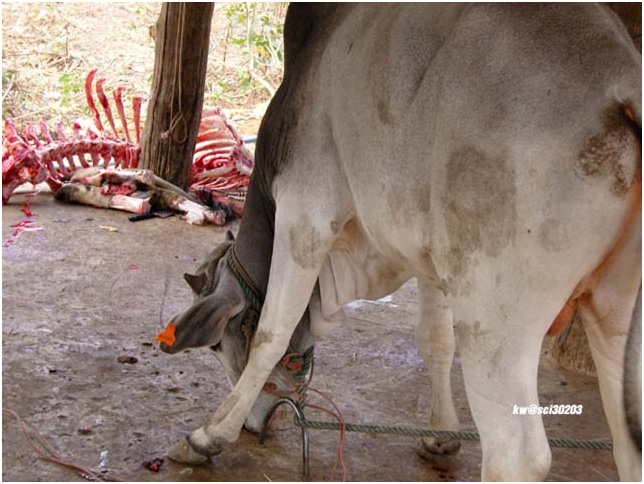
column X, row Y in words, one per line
column 76, row 297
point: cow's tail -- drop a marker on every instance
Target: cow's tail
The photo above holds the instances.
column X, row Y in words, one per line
column 633, row 353
column 633, row 375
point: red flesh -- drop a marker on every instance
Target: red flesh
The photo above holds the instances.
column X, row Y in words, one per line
column 220, row 162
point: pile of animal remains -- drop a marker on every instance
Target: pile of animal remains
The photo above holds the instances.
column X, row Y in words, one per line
column 99, row 168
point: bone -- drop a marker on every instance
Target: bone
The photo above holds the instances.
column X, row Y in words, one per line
column 118, row 100
column 54, row 185
column 95, row 158
column 90, row 100
column 76, row 129
column 90, row 195
column 102, row 98
column 136, row 107
column 55, row 153
column 243, row 160
column 53, row 171
column 214, row 144
column 208, row 134
column 217, row 172
column 195, row 213
column 208, row 160
column 60, row 132
column 44, row 131
column 97, row 177
column 10, row 128
column 61, row 152
column 70, row 162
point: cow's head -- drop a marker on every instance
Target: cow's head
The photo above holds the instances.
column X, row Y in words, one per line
column 219, row 318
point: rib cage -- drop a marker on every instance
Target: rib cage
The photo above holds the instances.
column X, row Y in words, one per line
column 221, row 164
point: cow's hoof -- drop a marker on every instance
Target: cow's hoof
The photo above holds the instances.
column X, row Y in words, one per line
column 183, row 452
column 431, row 447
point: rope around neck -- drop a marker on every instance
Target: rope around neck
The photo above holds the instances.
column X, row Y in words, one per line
column 253, row 296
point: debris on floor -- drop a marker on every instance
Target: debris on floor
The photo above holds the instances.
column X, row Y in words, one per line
column 127, row 360
column 27, row 224
column 154, row 465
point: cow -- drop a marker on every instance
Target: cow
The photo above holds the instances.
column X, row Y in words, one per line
column 492, row 152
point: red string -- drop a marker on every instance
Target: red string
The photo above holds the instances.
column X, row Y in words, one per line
column 271, row 389
column 340, row 418
column 51, row 455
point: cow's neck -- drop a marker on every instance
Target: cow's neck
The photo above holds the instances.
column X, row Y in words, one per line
column 254, row 244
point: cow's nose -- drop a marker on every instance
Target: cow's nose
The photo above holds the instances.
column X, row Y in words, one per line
column 166, row 349
column 167, row 338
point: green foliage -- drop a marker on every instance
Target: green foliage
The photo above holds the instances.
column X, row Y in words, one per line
column 71, row 85
column 254, row 36
column 7, row 76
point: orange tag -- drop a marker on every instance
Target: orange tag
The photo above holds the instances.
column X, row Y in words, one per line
column 167, row 336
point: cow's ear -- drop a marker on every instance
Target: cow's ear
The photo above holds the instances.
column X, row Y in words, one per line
column 229, row 236
column 196, row 281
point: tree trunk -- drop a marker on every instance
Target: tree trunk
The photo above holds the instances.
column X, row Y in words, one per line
column 174, row 111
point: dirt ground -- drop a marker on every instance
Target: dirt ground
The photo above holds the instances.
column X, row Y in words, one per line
column 48, row 49
column 78, row 295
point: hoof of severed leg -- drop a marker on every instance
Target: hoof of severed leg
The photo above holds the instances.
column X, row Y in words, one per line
column 183, row 452
column 431, row 447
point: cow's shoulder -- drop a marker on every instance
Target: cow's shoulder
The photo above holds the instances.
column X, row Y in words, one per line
column 302, row 21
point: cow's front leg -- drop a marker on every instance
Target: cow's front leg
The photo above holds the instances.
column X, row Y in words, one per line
column 299, row 248
column 436, row 345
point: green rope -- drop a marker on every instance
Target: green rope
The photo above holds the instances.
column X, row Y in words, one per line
column 418, row 432
column 248, row 287
column 255, row 302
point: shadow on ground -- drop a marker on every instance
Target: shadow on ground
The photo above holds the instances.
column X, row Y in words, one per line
column 80, row 298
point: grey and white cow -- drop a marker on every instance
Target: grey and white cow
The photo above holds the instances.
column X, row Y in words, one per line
column 492, row 152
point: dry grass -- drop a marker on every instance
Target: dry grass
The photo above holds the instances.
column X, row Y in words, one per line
column 48, row 48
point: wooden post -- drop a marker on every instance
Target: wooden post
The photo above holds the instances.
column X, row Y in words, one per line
column 174, row 111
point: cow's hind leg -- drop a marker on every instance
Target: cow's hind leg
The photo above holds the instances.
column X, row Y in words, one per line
column 607, row 312
column 303, row 235
column 435, row 341
column 500, row 347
